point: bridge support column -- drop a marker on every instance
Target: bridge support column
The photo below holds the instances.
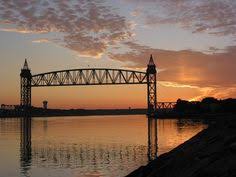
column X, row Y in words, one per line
column 151, row 88
column 25, row 91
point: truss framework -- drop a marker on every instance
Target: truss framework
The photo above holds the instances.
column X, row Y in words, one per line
column 96, row 76
column 152, row 97
column 25, row 91
column 166, row 105
column 151, row 88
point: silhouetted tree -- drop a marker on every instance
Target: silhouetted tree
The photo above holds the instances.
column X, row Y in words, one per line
column 228, row 105
column 209, row 100
column 207, row 105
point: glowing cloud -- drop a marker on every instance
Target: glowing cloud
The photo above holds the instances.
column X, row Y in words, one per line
column 19, row 30
column 41, row 41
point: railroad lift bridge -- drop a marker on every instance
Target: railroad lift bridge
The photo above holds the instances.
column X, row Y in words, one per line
column 86, row 77
column 93, row 76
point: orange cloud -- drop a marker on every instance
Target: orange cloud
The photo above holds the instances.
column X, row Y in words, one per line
column 21, row 30
column 212, row 74
column 41, row 41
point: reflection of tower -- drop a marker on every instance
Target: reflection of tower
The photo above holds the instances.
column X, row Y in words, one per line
column 25, row 149
column 25, row 92
column 151, row 87
column 45, row 104
column 45, row 125
column 152, row 138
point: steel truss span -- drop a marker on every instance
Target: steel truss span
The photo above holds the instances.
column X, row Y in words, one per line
column 166, row 105
column 89, row 76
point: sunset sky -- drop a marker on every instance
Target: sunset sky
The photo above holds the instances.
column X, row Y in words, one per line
column 193, row 43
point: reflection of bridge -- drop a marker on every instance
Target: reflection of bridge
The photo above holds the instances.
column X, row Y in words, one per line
column 90, row 76
column 84, row 155
column 72, row 156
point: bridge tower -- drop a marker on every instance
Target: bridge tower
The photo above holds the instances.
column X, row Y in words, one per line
column 151, row 87
column 25, row 92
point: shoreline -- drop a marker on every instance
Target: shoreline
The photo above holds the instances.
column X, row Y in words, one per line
column 212, row 152
column 163, row 114
column 74, row 112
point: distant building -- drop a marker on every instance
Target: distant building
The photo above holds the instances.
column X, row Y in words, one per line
column 2, row 106
column 8, row 107
column 45, row 104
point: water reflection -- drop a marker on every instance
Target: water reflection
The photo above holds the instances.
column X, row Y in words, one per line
column 45, row 125
column 25, row 145
column 95, row 146
column 89, row 158
column 80, row 155
column 152, row 139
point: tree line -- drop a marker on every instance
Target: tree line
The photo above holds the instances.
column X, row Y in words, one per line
column 206, row 105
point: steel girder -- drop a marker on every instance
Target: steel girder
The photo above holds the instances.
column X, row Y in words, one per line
column 166, row 105
column 96, row 76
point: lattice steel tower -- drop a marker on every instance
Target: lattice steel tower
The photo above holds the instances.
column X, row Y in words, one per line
column 151, row 87
column 25, row 81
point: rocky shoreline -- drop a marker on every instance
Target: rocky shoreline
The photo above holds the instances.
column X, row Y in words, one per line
column 211, row 153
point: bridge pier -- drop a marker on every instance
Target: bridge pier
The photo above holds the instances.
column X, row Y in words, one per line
column 25, row 92
column 151, row 88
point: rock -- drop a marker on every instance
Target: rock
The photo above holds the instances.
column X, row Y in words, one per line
column 233, row 147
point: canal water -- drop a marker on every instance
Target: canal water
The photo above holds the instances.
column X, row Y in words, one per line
column 89, row 146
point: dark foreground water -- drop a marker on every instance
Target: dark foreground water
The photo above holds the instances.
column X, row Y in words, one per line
column 88, row 146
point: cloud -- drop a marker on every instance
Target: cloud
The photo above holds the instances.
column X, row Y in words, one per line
column 87, row 27
column 176, row 85
column 41, row 41
column 216, row 17
column 18, row 30
column 217, row 92
column 91, row 27
column 204, row 91
column 186, row 68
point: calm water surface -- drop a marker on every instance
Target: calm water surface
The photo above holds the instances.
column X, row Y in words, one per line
column 88, row 146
